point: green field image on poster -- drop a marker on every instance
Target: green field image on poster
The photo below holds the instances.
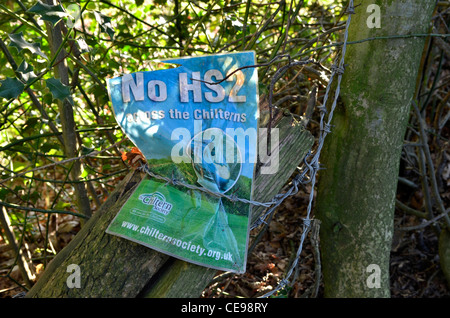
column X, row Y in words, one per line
column 156, row 216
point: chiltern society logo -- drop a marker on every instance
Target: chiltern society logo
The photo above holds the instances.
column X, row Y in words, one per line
column 158, row 201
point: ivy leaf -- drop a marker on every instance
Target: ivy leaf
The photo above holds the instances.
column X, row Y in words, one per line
column 50, row 13
column 58, row 89
column 18, row 41
column 105, row 23
column 27, row 71
column 11, row 88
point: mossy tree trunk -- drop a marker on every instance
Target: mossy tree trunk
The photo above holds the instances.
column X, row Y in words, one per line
column 356, row 191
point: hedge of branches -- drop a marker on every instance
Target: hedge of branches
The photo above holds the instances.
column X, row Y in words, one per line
column 61, row 149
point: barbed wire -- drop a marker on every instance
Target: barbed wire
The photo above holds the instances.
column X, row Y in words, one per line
column 173, row 181
column 311, row 160
column 313, row 166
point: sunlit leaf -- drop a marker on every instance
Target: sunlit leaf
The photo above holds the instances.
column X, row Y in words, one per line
column 18, row 41
column 27, row 71
column 105, row 23
column 50, row 13
column 82, row 45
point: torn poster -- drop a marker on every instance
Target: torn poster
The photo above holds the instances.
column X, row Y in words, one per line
column 195, row 123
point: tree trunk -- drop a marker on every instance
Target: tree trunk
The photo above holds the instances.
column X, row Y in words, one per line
column 67, row 118
column 356, row 191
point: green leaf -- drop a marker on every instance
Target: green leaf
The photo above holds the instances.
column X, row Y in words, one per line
column 86, row 150
column 47, row 99
column 47, row 146
column 11, row 88
column 3, row 193
column 105, row 23
column 84, row 174
column 18, row 41
column 58, row 89
column 29, row 125
column 50, row 13
column 27, row 71
column 62, row 205
column 34, row 196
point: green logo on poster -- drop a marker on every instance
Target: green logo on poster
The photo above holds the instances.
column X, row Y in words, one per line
column 158, row 201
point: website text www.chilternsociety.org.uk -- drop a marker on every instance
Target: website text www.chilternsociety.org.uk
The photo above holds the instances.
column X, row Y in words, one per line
column 188, row 246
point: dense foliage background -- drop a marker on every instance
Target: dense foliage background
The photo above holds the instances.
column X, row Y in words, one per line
column 43, row 78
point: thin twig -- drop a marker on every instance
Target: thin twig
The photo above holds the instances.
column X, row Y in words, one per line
column 94, row 153
column 27, row 208
column 429, row 162
column 426, row 223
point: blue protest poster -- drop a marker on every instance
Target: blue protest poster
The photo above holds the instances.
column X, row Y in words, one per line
column 195, row 123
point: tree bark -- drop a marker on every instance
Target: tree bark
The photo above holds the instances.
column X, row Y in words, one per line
column 356, row 191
